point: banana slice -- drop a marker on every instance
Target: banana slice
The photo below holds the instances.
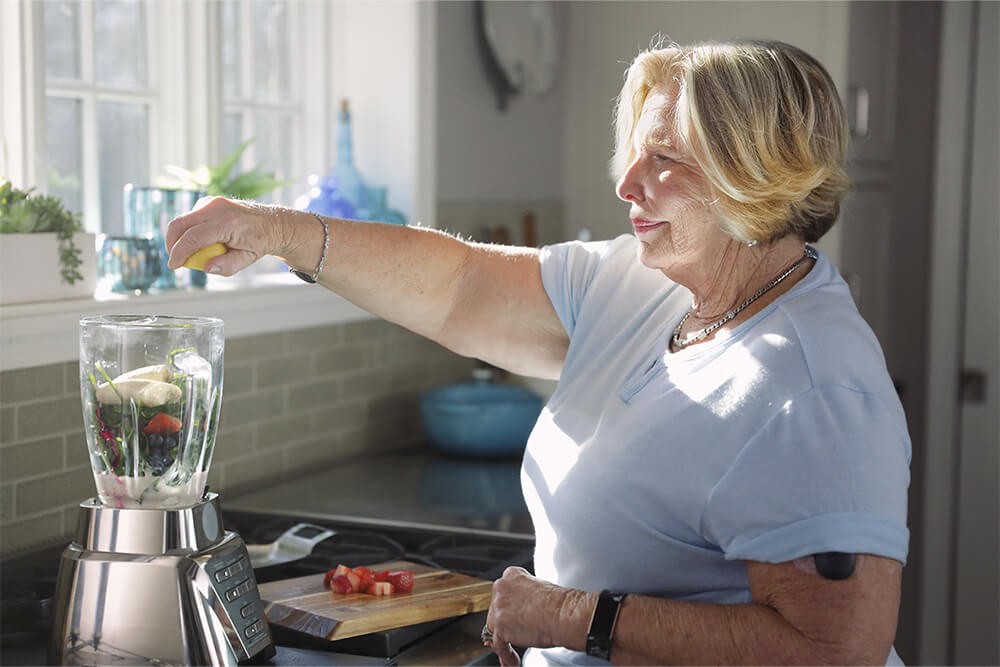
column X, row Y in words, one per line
column 145, row 391
column 200, row 258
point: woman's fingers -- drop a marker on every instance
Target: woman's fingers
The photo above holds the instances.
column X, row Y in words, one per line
column 506, row 653
column 240, row 227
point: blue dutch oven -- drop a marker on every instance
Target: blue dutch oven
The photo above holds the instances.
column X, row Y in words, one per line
column 479, row 418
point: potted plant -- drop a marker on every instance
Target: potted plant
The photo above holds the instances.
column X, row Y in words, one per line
column 220, row 181
column 44, row 252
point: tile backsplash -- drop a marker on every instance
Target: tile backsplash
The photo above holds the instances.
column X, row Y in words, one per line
column 293, row 400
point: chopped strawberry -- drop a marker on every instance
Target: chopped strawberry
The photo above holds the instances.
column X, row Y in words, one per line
column 381, row 588
column 382, row 575
column 362, row 571
column 329, row 575
column 163, row 424
column 401, row 580
column 341, row 569
column 341, row 584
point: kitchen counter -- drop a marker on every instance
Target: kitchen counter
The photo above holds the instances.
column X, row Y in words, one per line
column 411, row 488
column 416, row 487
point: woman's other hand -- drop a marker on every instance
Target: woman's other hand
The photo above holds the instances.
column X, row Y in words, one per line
column 528, row 612
column 248, row 230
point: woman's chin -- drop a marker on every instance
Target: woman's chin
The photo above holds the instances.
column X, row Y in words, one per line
column 648, row 256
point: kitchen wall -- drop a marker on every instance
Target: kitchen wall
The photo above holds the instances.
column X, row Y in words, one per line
column 604, row 37
column 492, row 165
column 293, row 400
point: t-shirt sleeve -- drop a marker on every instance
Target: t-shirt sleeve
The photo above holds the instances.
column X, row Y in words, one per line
column 828, row 472
column 568, row 269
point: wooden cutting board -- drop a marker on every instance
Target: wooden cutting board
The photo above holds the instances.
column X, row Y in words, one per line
column 305, row 605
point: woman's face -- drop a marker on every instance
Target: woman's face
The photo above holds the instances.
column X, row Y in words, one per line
column 669, row 195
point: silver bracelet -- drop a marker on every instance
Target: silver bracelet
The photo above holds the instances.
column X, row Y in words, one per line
column 322, row 260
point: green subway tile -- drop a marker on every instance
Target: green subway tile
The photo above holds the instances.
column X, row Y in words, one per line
column 8, row 428
column 238, row 380
column 312, row 454
column 31, row 458
column 57, row 489
column 232, row 444
column 279, row 431
column 313, row 394
column 340, row 418
column 46, row 417
column 252, row 348
column 364, row 331
column 314, row 338
column 71, row 370
column 366, row 383
column 350, row 358
column 250, row 469
column 250, row 408
column 273, row 372
column 29, row 384
column 6, row 502
column 217, row 478
column 31, row 532
column 76, row 450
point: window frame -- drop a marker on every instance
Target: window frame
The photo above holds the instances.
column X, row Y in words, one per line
column 184, row 99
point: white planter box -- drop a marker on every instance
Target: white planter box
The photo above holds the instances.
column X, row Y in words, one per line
column 30, row 269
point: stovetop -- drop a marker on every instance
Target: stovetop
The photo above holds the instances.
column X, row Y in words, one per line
column 410, row 506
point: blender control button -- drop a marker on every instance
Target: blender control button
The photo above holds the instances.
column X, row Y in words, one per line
column 245, row 587
column 234, row 593
column 246, row 610
column 238, row 566
column 251, row 630
column 223, row 574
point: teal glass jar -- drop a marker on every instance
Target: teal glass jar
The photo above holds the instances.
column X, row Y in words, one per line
column 148, row 211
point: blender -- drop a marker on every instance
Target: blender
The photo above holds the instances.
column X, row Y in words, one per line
column 151, row 576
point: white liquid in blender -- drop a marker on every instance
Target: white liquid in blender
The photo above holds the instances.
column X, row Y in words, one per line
column 120, row 491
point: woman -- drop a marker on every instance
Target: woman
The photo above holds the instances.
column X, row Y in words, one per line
column 724, row 445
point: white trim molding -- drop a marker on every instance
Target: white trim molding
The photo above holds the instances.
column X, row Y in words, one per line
column 45, row 333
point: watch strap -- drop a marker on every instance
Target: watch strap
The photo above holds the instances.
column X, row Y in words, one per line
column 602, row 625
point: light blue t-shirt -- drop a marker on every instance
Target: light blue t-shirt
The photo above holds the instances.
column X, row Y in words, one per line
column 659, row 473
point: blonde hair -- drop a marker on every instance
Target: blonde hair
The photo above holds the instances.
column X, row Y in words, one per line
column 762, row 119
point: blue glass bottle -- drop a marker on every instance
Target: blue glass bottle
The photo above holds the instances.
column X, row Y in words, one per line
column 349, row 182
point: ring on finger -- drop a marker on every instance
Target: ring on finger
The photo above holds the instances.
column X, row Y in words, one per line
column 487, row 635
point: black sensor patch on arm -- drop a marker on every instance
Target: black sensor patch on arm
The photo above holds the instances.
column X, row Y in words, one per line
column 835, row 565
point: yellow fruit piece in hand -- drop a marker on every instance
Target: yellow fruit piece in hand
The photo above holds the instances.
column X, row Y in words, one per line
column 201, row 257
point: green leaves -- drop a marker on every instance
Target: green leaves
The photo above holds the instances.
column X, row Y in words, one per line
column 24, row 213
column 218, row 180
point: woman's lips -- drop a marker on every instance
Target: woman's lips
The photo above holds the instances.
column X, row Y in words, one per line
column 643, row 225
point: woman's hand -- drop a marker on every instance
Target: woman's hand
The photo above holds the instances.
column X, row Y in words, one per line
column 528, row 612
column 249, row 230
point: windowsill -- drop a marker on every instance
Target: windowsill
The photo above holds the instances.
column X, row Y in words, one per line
column 37, row 334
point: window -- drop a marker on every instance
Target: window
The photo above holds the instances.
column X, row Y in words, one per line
column 126, row 87
column 100, row 102
column 259, row 85
column 100, row 93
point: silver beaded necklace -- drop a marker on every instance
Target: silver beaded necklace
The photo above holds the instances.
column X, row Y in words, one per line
column 701, row 335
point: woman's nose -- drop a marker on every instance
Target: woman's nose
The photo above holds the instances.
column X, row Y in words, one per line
column 628, row 187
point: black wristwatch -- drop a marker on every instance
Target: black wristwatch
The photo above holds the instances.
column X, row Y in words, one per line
column 602, row 626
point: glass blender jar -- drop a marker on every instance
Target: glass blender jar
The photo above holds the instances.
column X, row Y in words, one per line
column 152, row 391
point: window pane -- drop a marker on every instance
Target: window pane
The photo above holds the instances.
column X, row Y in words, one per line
column 62, row 39
column 64, row 140
column 232, row 135
column 232, row 70
column 271, row 46
column 123, row 138
column 273, row 143
column 120, row 43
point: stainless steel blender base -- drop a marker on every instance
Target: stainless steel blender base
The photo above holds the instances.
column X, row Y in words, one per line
column 156, row 586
